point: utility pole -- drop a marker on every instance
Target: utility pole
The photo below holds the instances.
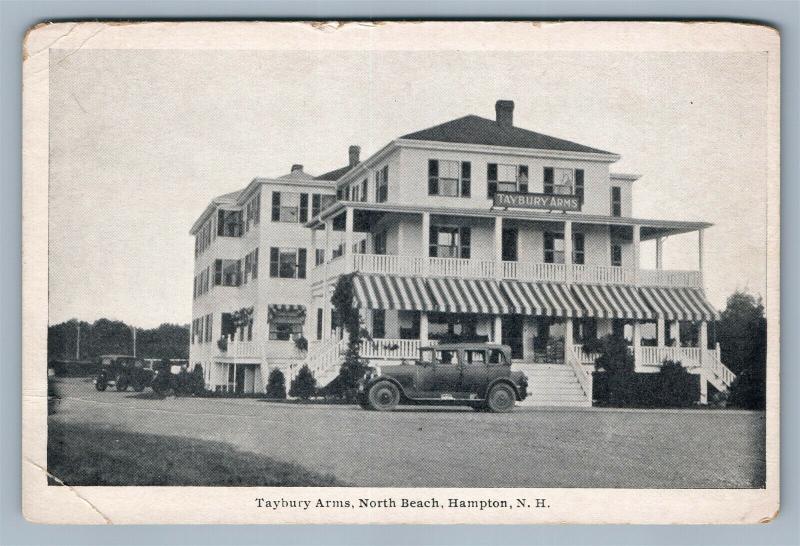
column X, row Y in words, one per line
column 78, row 343
column 134, row 340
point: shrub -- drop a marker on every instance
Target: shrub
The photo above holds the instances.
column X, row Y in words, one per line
column 749, row 389
column 347, row 316
column 222, row 343
column 617, row 362
column 276, row 385
column 197, row 381
column 301, row 343
column 675, row 386
column 304, row 385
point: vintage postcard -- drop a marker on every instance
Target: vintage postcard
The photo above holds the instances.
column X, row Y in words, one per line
column 387, row 272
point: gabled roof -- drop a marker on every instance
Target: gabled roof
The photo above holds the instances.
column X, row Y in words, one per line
column 477, row 130
column 334, row 175
column 232, row 196
column 296, row 175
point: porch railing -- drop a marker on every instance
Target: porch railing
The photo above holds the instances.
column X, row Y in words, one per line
column 393, row 349
column 600, row 274
column 387, row 263
column 460, row 267
column 242, row 349
column 584, row 378
column 533, row 271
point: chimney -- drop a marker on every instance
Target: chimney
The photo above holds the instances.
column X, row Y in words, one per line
column 297, row 167
column 505, row 112
column 354, row 152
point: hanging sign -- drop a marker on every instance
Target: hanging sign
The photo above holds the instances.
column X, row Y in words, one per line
column 540, row 201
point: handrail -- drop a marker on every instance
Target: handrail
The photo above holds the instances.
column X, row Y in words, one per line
column 583, row 377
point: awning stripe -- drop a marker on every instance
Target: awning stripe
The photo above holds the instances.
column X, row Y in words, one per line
column 612, row 301
column 679, row 303
column 542, row 299
column 285, row 309
column 457, row 295
column 390, row 292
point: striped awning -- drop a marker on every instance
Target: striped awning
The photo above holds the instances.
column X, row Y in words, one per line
column 679, row 303
column 457, row 295
column 543, row 299
column 611, row 301
column 286, row 310
column 391, row 292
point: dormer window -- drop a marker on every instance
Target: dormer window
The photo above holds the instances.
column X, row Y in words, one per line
column 506, row 178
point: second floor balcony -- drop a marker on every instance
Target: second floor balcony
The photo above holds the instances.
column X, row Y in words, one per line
column 514, row 270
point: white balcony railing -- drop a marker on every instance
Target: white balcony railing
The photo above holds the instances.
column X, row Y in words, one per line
column 522, row 271
column 242, row 349
column 393, row 349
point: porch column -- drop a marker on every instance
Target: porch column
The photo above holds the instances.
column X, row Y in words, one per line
column 498, row 247
column 636, row 251
column 568, row 250
column 348, row 239
column 660, row 253
column 703, row 340
column 567, row 335
column 637, row 344
column 700, row 249
column 423, row 326
column 676, row 326
column 426, row 229
column 661, row 333
column 703, row 387
column 498, row 329
column 326, row 297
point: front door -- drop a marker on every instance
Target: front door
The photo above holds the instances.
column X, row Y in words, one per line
column 510, row 237
column 240, row 374
column 512, row 334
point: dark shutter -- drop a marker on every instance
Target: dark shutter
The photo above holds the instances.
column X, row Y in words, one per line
column 221, row 222
column 274, row 266
column 522, row 176
column 301, row 263
column 276, row 206
column 579, row 184
column 466, row 178
column 319, row 323
column 255, row 263
column 315, row 202
column 549, row 177
column 433, row 177
column 304, row 207
column 465, row 240
column 364, row 190
column 578, row 254
column 491, row 179
column 217, row 272
column 548, row 248
column 432, row 233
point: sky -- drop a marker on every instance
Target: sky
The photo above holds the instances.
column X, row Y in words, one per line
column 140, row 141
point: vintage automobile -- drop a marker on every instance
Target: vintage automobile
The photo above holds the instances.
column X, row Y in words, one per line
column 121, row 371
column 458, row 374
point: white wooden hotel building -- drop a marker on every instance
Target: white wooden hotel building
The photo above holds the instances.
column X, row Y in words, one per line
column 474, row 228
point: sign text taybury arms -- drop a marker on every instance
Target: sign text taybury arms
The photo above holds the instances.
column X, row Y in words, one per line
column 544, row 201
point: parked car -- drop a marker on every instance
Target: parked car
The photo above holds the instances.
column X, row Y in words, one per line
column 171, row 378
column 121, row 371
column 457, row 374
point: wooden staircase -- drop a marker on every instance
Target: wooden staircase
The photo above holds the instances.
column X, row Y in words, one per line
column 554, row 385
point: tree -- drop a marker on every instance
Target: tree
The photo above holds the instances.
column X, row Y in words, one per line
column 197, row 380
column 304, row 385
column 347, row 317
column 742, row 336
column 276, row 384
column 617, row 361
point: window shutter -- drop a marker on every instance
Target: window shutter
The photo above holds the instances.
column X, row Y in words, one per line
column 276, row 206
column 579, row 184
column 304, row 207
column 255, row 263
column 301, row 263
column 217, row 272
column 433, row 177
column 274, row 269
column 491, row 178
column 549, row 177
column 466, row 237
column 364, row 190
column 432, row 233
column 220, row 222
column 522, row 173
column 466, row 178
column 315, row 202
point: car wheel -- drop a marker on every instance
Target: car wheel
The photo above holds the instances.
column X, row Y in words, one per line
column 121, row 383
column 100, row 384
column 138, row 386
column 384, row 396
column 501, row 399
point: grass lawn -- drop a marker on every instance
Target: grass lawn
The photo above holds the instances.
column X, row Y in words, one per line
column 86, row 455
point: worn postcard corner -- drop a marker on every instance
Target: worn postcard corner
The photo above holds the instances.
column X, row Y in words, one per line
column 442, row 272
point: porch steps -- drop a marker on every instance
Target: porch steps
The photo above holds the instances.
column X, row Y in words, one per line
column 553, row 385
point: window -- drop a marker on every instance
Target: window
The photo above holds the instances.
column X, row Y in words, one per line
column 496, row 356
column 554, row 248
column 378, row 323
column 287, row 263
column 315, row 204
column 507, row 178
column 648, row 333
column 227, row 272
column 583, row 330
column 289, row 207
column 379, row 243
column 283, row 329
column 319, row 256
column 616, row 201
column 449, row 242
column 449, row 178
column 409, row 322
column 562, row 181
column 229, row 223
column 447, row 356
column 382, row 184
column 616, row 254
column 355, row 193
column 453, row 327
column 319, row 323
column 475, row 357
